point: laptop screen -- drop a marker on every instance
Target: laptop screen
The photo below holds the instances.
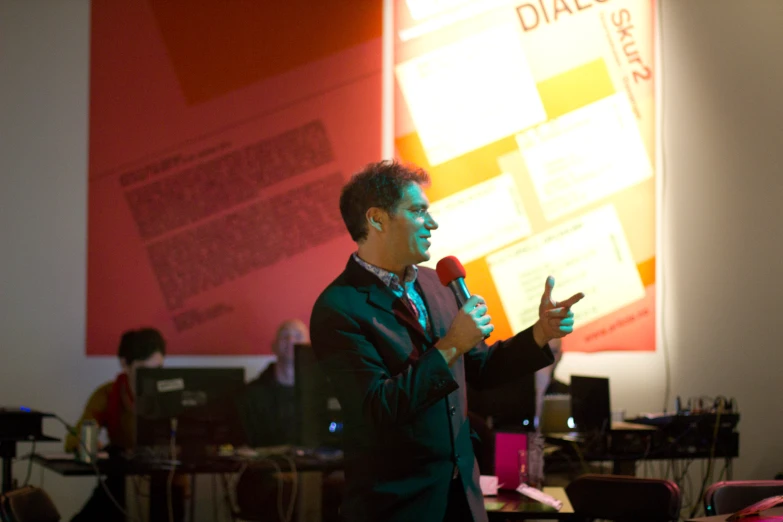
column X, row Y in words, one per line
column 556, row 414
column 590, row 404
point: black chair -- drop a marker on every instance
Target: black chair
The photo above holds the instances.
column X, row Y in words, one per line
column 723, row 498
column 28, row 504
column 624, row 498
column 262, row 496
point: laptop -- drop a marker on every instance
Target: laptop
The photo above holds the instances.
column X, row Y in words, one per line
column 588, row 408
column 592, row 418
column 556, row 414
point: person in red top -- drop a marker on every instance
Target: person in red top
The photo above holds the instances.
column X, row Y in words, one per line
column 111, row 406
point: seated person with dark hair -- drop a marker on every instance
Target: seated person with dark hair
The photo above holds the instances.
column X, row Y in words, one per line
column 111, row 406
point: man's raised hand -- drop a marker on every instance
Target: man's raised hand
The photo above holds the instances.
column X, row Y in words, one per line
column 555, row 319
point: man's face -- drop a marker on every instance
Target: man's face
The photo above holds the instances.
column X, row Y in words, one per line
column 153, row 361
column 409, row 228
column 288, row 336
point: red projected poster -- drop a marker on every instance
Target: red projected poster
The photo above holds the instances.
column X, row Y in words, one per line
column 536, row 121
column 220, row 135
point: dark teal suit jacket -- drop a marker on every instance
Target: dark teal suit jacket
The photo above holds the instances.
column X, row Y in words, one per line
column 404, row 409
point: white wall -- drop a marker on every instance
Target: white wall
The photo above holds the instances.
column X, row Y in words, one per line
column 722, row 79
column 43, row 160
column 723, row 130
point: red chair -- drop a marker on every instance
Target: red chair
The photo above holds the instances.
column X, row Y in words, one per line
column 624, row 498
column 723, row 498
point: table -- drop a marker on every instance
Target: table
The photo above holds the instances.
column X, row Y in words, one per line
column 309, row 467
column 507, row 505
column 626, row 443
column 510, row 505
column 8, row 453
column 70, row 467
column 770, row 514
column 18, row 424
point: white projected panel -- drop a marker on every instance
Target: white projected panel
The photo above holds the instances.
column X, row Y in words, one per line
column 421, row 9
column 431, row 16
column 478, row 220
column 589, row 254
column 471, row 93
column 585, row 155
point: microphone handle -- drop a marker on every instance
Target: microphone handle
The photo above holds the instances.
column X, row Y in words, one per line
column 460, row 290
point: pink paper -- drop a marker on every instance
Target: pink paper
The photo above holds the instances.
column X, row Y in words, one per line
column 510, row 458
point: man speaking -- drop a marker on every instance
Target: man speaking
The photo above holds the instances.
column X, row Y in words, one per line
column 399, row 348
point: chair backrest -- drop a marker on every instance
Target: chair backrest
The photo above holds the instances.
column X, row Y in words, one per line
column 624, row 499
column 28, row 504
column 727, row 497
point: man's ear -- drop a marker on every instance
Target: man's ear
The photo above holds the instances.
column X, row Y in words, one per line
column 375, row 218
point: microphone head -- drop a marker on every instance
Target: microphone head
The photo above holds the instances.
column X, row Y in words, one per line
column 449, row 268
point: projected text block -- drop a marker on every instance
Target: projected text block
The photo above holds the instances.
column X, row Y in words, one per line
column 585, row 155
column 478, row 220
column 589, row 254
column 470, row 93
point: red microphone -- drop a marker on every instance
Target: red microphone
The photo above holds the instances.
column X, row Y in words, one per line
column 452, row 274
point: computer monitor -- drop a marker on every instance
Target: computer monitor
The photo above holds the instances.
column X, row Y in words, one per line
column 590, row 406
column 318, row 412
column 201, row 399
column 512, row 405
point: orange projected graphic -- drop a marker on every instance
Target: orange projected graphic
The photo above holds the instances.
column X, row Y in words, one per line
column 220, row 135
column 554, row 103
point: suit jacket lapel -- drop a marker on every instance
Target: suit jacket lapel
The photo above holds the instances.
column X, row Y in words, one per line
column 383, row 299
column 430, row 292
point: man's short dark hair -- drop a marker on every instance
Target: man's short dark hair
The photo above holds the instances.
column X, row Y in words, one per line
column 380, row 185
column 140, row 345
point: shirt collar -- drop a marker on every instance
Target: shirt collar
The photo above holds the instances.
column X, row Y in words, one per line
column 389, row 279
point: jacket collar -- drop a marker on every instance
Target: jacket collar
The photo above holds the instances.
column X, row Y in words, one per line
column 431, row 292
column 381, row 297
